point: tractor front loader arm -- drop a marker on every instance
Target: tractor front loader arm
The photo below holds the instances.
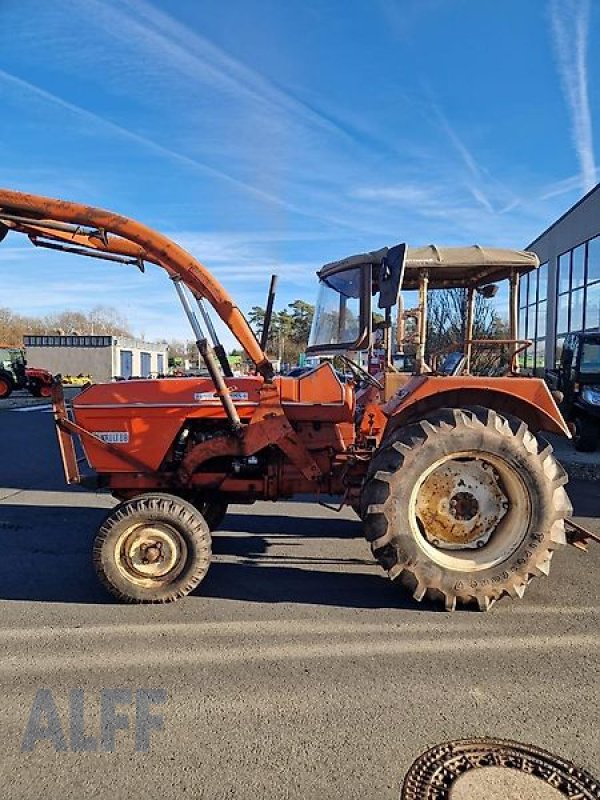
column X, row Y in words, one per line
column 86, row 230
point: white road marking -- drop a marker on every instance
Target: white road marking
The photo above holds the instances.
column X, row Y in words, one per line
column 46, row 409
column 281, row 628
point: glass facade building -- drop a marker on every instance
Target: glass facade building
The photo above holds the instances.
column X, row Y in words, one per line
column 564, row 295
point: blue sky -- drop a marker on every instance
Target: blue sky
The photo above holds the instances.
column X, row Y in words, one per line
column 266, row 136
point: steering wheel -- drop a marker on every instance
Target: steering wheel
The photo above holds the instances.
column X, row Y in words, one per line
column 362, row 373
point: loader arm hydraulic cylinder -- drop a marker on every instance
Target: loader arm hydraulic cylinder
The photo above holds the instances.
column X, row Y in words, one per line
column 208, row 357
column 50, row 219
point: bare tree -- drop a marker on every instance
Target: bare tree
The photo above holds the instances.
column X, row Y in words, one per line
column 446, row 325
column 101, row 320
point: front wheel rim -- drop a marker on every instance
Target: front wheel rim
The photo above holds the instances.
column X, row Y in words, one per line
column 470, row 511
column 151, row 553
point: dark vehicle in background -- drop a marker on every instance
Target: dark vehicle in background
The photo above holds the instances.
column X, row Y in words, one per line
column 404, row 362
column 578, row 379
column 15, row 374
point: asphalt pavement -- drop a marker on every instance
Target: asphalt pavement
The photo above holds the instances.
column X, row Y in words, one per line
column 296, row 670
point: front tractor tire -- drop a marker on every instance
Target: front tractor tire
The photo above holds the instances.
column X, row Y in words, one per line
column 154, row 548
column 464, row 506
column 6, row 387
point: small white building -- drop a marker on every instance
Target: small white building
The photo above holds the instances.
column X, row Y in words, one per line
column 102, row 357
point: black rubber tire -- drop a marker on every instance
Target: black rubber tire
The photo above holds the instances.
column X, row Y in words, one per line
column 214, row 512
column 153, row 508
column 35, row 389
column 402, row 461
column 587, row 433
column 6, row 387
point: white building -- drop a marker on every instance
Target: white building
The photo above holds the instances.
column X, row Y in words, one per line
column 102, row 357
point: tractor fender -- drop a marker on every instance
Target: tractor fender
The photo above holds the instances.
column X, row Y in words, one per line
column 528, row 399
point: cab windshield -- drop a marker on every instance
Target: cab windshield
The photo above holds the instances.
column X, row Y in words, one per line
column 337, row 319
column 590, row 357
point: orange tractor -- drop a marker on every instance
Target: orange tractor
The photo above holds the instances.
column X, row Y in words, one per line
column 461, row 500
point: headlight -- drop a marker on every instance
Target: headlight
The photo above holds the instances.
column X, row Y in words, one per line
column 591, row 396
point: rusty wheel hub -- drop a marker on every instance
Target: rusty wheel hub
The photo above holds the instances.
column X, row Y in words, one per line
column 460, row 503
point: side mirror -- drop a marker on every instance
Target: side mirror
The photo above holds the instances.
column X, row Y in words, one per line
column 390, row 278
column 488, row 291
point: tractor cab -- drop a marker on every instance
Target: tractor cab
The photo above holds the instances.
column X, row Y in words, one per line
column 12, row 370
column 361, row 306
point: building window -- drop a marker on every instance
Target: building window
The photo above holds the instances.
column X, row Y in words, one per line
column 564, row 270
column 578, row 301
column 578, row 267
column 543, row 282
column 576, row 316
column 593, row 260
column 532, row 316
column 592, row 306
column 541, row 320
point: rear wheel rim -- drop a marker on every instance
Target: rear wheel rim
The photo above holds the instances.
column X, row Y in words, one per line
column 3, row 388
column 470, row 511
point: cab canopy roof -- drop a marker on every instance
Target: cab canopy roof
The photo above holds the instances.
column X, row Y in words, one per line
column 448, row 267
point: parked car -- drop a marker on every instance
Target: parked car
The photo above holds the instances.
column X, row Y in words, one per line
column 578, row 379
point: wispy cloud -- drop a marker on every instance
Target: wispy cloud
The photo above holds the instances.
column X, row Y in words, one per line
column 196, row 56
column 564, row 186
column 98, row 120
column 570, row 24
column 491, row 195
column 443, row 210
column 184, row 160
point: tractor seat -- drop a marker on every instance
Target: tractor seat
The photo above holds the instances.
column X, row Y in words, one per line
column 453, row 364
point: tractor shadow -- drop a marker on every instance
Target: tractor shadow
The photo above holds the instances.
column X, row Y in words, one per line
column 253, row 573
column 47, row 558
column 259, row 558
column 47, row 553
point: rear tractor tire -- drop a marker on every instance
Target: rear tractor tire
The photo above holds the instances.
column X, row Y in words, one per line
column 213, row 511
column 464, row 506
column 154, row 548
column 587, row 434
column 35, row 389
